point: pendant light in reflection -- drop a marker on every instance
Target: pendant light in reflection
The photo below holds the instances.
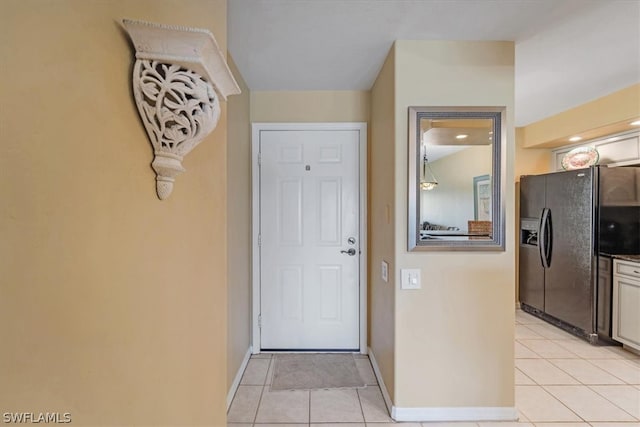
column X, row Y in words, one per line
column 428, row 181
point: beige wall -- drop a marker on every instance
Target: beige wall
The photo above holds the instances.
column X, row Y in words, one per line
column 113, row 302
column 310, row 106
column 530, row 161
column 381, row 221
column 603, row 116
column 238, row 227
column 454, row 337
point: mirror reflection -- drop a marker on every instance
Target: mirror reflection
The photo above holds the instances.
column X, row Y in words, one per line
column 456, row 158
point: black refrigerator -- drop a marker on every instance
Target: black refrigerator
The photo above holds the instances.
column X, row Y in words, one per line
column 570, row 224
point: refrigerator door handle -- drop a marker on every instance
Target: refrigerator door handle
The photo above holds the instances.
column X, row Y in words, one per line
column 549, row 230
column 543, row 238
column 548, row 239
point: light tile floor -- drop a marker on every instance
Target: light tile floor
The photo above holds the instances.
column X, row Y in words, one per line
column 561, row 381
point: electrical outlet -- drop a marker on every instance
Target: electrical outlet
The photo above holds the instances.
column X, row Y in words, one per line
column 410, row 278
column 384, row 271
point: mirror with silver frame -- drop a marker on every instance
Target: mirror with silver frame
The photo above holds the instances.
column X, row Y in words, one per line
column 456, row 178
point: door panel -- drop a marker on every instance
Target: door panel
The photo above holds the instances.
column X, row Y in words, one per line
column 532, row 191
column 290, row 212
column 290, row 281
column 309, row 209
column 330, row 292
column 569, row 279
column 531, row 277
column 330, row 218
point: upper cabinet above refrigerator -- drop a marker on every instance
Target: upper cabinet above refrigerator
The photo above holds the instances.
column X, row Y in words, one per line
column 621, row 149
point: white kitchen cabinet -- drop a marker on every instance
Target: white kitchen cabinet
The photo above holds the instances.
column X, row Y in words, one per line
column 614, row 150
column 626, row 303
column 605, row 277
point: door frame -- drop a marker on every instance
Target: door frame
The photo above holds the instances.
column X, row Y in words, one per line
column 256, row 128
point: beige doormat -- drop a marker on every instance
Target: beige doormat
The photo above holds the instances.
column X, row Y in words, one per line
column 315, row 371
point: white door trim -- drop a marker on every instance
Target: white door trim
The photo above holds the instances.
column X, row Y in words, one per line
column 256, row 128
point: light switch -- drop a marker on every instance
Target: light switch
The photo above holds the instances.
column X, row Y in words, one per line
column 384, row 271
column 410, row 278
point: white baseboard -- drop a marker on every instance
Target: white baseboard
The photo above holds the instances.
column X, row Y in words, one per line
column 238, row 378
column 383, row 388
column 481, row 413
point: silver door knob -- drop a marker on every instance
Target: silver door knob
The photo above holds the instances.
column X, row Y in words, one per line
column 350, row 252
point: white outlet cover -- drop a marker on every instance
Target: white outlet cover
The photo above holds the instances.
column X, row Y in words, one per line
column 410, row 278
column 384, row 271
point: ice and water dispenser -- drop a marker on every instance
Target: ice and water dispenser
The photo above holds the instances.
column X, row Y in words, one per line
column 529, row 232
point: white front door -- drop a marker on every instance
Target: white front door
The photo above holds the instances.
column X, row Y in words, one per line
column 309, row 240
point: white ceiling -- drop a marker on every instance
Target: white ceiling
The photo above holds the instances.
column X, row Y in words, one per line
column 567, row 51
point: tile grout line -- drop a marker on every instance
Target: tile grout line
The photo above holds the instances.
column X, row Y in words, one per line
column 364, row 421
column 610, row 373
column 589, row 359
column 568, row 373
column 609, row 400
column 594, row 365
column 558, row 400
column 576, row 356
column 522, row 372
column 309, row 423
column 528, row 348
column 255, row 417
column 561, row 402
column 578, row 382
column 589, row 422
column 532, row 331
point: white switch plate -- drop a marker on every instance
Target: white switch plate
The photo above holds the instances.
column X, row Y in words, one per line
column 410, row 278
column 384, row 271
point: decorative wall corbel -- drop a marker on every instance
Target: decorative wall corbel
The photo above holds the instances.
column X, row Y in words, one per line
column 178, row 77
